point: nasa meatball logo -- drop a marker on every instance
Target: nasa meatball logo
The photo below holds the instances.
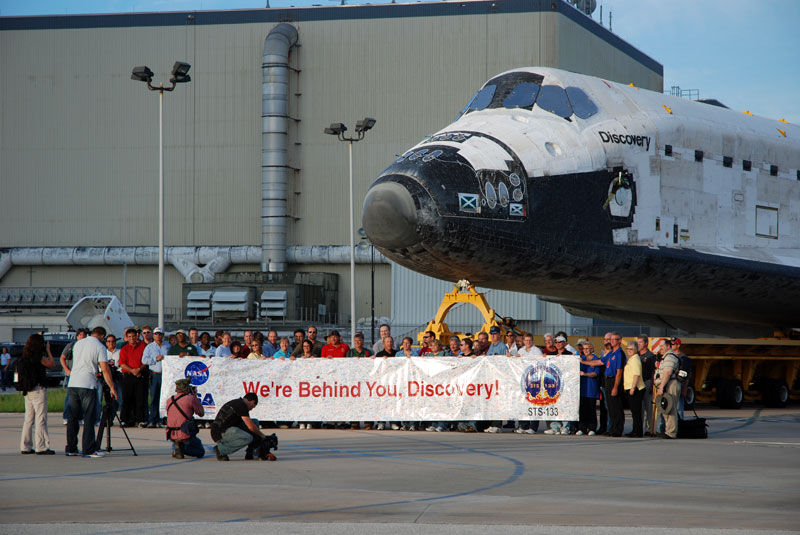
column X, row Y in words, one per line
column 541, row 384
column 198, row 371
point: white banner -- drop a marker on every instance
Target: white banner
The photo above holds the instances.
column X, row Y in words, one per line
column 385, row 389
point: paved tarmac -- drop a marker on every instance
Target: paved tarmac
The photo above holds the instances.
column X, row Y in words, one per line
column 746, row 476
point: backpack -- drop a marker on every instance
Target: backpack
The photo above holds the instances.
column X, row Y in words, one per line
column 25, row 375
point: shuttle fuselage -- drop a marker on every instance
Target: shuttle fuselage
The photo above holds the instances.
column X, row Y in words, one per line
column 612, row 200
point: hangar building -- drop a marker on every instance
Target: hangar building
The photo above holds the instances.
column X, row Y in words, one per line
column 256, row 195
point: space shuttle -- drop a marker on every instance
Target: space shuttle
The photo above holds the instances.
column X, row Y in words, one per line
column 614, row 201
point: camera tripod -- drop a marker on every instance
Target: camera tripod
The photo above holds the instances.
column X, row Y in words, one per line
column 107, row 421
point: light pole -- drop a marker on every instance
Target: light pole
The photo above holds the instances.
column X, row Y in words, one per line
column 338, row 130
column 180, row 75
column 365, row 240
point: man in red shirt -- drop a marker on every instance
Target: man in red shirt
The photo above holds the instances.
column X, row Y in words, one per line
column 427, row 341
column 335, row 349
column 135, row 379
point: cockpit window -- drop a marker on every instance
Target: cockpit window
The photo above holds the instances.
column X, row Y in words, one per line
column 524, row 89
column 482, row 99
column 499, row 88
column 554, row 99
column 581, row 103
column 522, row 96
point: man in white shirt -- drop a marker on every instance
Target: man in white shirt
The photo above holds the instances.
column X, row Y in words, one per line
column 152, row 356
column 88, row 356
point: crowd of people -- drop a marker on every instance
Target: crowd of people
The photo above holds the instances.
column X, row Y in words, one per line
column 131, row 372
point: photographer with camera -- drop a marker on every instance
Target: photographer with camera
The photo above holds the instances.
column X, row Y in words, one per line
column 233, row 429
column 181, row 428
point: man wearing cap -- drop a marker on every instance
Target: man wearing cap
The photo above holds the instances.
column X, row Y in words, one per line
column 180, row 408
column 497, row 346
column 568, row 345
column 335, row 349
column 152, row 357
column 666, row 381
column 233, row 429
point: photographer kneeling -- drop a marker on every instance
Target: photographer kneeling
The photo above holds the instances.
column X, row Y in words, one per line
column 233, row 429
column 181, row 427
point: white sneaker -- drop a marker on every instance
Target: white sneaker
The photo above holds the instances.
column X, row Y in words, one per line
column 591, row 433
column 564, row 431
column 66, row 422
column 395, row 427
column 431, row 428
column 96, row 455
column 439, row 429
column 519, row 430
column 578, row 433
column 492, row 430
column 549, row 431
column 530, row 431
column 380, row 427
column 411, row 428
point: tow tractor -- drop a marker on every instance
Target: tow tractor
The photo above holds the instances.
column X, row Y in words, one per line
column 465, row 292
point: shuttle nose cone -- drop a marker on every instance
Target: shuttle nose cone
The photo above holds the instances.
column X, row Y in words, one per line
column 390, row 216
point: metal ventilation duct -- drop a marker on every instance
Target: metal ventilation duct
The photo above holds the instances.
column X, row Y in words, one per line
column 186, row 260
column 274, row 145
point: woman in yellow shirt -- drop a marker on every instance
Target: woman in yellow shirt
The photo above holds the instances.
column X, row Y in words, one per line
column 634, row 388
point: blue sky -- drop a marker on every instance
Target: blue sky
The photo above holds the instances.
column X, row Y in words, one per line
column 746, row 53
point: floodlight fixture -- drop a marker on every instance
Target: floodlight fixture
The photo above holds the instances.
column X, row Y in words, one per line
column 336, row 129
column 142, row 74
column 364, row 124
column 180, row 73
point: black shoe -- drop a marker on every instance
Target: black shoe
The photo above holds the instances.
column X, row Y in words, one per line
column 248, row 456
column 27, row 452
column 615, row 435
column 45, row 452
column 177, row 450
column 220, row 457
column 630, row 435
column 664, row 435
column 600, row 432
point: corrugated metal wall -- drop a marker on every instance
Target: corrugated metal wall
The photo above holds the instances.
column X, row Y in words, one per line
column 79, row 139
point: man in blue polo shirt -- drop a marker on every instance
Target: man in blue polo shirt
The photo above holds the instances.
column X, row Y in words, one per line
column 614, row 362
